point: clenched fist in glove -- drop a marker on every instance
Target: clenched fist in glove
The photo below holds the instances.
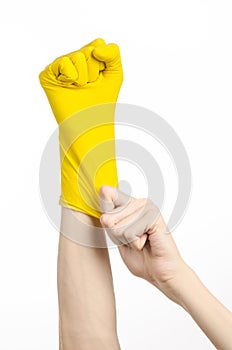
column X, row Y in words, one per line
column 82, row 88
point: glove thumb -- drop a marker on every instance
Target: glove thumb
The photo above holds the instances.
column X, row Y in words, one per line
column 109, row 54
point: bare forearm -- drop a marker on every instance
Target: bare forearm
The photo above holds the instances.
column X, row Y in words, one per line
column 86, row 297
column 210, row 315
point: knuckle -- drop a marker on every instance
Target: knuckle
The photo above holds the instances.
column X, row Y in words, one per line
column 116, row 47
column 153, row 217
column 65, row 60
column 155, row 209
column 143, row 201
column 103, row 219
column 99, row 42
column 107, row 221
column 77, row 56
column 150, row 205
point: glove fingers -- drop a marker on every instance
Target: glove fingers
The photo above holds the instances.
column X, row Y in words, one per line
column 64, row 70
column 90, row 47
column 94, row 66
column 71, row 70
column 79, row 61
column 84, row 65
column 61, row 70
column 97, row 42
column 110, row 55
column 94, row 43
column 88, row 52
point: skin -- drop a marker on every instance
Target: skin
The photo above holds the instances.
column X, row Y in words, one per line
column 85, row 293
column 153, row 255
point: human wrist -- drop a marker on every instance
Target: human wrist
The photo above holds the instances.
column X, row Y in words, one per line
column 183, row 285
column 177, row 287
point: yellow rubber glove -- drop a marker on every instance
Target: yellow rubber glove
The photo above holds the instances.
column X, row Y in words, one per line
column 82, row 88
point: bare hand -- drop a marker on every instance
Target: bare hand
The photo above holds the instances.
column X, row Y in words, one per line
column 145, row 244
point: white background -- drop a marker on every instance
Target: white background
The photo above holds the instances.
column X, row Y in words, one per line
column 177, row 60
